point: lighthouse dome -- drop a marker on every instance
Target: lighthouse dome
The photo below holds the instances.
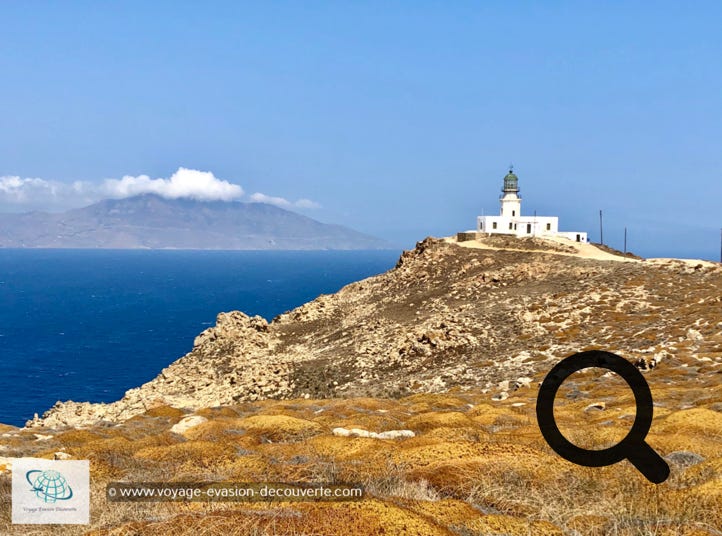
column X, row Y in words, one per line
column 511, row 182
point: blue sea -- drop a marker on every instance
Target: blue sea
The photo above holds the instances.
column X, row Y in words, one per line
column 87, row 325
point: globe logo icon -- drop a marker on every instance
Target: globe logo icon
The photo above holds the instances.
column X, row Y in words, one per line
column 49, row 486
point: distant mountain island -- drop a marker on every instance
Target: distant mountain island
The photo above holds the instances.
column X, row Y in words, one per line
column 153, row 222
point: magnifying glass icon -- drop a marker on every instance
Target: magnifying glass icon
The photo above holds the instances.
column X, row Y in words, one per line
column 633, row 447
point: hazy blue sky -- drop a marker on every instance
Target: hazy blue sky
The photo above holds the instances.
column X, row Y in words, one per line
column 398, row 118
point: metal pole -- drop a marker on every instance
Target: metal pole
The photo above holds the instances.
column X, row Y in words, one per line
column 625, row 240
column 601, row 229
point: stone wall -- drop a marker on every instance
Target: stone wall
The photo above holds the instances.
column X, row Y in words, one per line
column 467, row 236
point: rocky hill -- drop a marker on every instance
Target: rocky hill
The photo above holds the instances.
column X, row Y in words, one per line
column 482, row 315
column 420, row 385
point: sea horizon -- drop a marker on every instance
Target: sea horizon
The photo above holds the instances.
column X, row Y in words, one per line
column 654, row 254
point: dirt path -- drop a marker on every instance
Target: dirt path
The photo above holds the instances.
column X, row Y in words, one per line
column 586, row 251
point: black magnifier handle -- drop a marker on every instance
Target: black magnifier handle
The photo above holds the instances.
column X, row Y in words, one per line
column 648, row 462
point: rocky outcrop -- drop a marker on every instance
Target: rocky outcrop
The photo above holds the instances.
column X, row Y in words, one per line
column 234, row 360
column 445, row 316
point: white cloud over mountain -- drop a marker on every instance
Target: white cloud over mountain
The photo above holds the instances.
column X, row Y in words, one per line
column 202, row 185
column 41, row 194
column 282, row 201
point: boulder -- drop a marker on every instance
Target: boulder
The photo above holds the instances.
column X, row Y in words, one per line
column 187, row 423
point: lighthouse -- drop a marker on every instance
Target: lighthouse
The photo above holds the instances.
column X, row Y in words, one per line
column 511, row 222
column 510, row 199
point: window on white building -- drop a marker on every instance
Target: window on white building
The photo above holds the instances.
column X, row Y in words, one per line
column 493, row 225
column 510, row 225
column 549, row 226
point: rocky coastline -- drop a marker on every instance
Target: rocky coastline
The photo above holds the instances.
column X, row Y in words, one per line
column 485, row 317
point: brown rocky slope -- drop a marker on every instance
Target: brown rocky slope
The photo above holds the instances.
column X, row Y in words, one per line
column 486, row 317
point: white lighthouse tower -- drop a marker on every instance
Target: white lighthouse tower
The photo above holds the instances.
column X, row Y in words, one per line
column 511, row 222
column 510, row 199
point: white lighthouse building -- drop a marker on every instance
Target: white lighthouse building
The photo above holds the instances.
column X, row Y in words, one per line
column 511, row 222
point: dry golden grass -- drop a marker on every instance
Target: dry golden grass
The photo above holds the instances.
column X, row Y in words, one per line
column 475, row 467
column 279, row 427
column 430, row 420
column 190, row 455
column 172, row 414
column 7, row 428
